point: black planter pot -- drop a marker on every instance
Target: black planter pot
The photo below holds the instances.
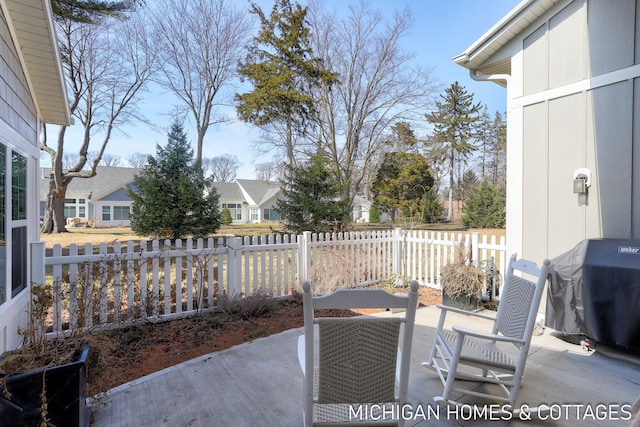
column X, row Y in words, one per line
column 467, row 302
column 65, row 392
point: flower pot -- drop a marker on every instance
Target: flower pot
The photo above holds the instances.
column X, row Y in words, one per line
column 466, row 302
column 65, row 385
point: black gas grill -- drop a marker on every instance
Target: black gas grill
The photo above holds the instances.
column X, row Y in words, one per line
column 594, row 291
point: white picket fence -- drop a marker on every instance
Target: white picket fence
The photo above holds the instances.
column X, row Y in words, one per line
column 111, row 284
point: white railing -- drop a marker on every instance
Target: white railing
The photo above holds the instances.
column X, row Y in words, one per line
column 110, row 284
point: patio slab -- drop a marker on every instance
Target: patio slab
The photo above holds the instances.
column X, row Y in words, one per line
column 260, row 384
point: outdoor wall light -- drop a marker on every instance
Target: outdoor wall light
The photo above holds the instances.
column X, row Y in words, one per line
column 581, row 180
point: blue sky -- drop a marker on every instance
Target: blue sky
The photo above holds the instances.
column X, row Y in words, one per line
column 440, row 31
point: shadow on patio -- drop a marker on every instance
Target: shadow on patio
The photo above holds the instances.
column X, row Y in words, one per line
column 260, row 384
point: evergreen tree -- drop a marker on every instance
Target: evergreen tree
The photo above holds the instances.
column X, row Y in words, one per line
column 485, row 208
column 402, row 181
column 171, row 198
column 453, row 123
column 431, row 209
column 283, row 71
column 497, row 156
column 311, row 198
column 225, row 217
column 374, row 215
column 90, row 11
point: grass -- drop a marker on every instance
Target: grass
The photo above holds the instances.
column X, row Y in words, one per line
column 83, row 235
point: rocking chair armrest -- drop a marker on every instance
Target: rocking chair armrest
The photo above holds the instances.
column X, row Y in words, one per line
column 485, row 336
column 465, row 312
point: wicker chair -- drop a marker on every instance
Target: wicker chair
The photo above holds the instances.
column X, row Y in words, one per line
column 491, row 357
column 357, row 364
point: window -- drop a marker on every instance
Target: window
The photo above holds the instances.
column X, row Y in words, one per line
column 75, row 208
column 106, row 213
column 18, row 187
column 69, row 212
column 3, row 250
column 18, row 260
column 235, row 209
column 271, row 215
column 254, row 214
column 121, row 213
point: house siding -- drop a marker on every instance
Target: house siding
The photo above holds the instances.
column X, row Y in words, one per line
column 573, row 102
column 16, row 104
column 18, row 124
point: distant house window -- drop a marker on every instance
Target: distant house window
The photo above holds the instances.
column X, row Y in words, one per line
column 106, row 213
column 235, row 209
column 75, row 208
column 70, row 212
column 121, row 213
column 254, row 214
column 271, row 215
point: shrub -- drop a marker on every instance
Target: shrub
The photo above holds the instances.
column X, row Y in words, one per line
column 374, row 215
column 485, row 208
column 245, row 307
column 225, row 217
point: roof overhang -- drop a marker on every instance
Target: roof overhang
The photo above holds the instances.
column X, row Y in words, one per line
column 33, row 29
column 479, row 57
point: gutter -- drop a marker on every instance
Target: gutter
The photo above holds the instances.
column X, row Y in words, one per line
column 489, row 77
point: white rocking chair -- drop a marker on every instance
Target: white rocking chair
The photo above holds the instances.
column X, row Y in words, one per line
column 484, row 355
column 360, row 362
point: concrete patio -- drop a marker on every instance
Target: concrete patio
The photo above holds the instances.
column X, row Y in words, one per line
column 260, row 384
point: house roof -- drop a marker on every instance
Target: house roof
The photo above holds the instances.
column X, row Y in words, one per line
column 107, row 180
column 478, row 57
column 259, row 192
column 32, row 27
column 228, row 191
column 254, row 192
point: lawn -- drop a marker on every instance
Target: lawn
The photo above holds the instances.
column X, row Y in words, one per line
column 82, row 235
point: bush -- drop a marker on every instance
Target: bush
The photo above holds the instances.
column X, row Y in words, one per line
column 374, row 215
column 485, row 208
column 254, row 305
column 225, row 217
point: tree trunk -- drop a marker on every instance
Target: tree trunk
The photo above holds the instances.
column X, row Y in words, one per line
column 53, row 221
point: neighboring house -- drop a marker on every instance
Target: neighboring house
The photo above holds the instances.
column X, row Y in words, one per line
column 249, row 201
column 360, row 211
column 571, row 69
column 100, row 201
column 32, row 93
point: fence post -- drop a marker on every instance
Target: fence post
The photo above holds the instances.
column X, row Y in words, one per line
column 475, row 248
column 37, row 263
column 37, row 279
column 397, row 252
column 303, row 256
column 234, row 265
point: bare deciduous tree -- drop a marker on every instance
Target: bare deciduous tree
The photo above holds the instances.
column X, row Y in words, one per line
column 201, row 43
column 376, row 87
column 110, row 160
column 137, row 160
column 268, row 171
column 106, row 65
column 221, row 168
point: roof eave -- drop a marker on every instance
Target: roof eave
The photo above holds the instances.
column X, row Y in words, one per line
column 504, row 31
column 41, row 60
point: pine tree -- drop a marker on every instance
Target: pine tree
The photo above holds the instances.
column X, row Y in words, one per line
column 485, row 208
column 311, row 198
column 453, row 123
column 171, row 198
column 283, row 71
column 402, row 181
